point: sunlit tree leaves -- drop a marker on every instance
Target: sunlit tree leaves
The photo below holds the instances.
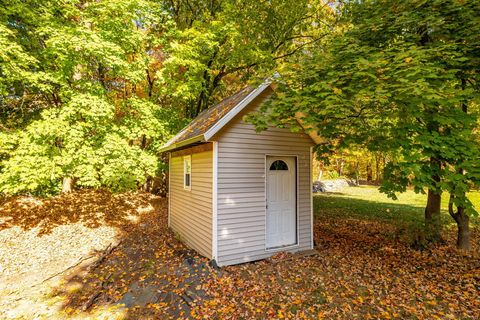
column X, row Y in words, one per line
column 400, row 77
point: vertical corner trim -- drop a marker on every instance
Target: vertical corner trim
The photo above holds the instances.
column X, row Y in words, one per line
column 169, row 193
column 215, row 201
column 311, row 198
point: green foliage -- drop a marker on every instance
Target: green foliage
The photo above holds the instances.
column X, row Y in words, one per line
column 89, row 90
column 75, row 106
column 89, row 140
column 358, row 164
column 14, row 61
column 229, row 42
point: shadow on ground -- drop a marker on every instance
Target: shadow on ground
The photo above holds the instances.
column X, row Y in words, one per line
column 91, row 208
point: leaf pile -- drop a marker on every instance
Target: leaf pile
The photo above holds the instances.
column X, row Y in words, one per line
column 91, row 208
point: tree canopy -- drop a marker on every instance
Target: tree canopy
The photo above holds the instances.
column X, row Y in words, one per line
column 399, row 77
column 90, row 89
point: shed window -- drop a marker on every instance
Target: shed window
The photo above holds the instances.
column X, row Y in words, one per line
column 187, row 172
column 279, row 165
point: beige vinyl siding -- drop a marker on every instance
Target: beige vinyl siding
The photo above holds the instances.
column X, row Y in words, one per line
column 191, row 210
column 241, row 187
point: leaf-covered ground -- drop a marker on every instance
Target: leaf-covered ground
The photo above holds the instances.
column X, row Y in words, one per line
column 127, row 264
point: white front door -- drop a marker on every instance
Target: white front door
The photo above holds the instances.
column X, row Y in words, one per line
column 281, row 202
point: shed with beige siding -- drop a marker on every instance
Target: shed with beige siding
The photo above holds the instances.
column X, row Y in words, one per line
column 236, row 195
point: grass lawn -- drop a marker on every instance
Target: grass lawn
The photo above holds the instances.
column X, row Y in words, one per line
column 366, row 202
column 94, row 255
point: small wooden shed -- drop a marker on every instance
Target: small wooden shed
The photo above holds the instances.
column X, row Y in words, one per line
column 236, row 195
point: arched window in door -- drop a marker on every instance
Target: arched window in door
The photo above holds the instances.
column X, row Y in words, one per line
column 279, row 165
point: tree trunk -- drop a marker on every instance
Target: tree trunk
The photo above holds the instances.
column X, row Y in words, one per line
column 340, row 163
column 68, row 184
column 432, row 216
column 461, row 217
column 320, row 170
column 369, row 172
column 320, row 174
column 463, row 235
column 463, row 227
column 357, row 174
column 377, row 169
column 432, row 210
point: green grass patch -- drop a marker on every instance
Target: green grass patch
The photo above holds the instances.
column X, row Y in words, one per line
column 366, row 202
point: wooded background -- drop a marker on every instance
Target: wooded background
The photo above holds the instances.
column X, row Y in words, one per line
column 89, row 90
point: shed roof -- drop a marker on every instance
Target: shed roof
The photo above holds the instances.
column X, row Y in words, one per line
column 211, row 120
column 209, row 117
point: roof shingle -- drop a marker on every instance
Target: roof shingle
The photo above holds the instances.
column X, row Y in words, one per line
column 209, row 117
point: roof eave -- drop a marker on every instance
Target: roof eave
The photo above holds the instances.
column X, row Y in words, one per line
column 309, row 129
column 170, row 147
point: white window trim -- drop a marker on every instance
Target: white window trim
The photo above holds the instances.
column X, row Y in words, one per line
column 189, row 159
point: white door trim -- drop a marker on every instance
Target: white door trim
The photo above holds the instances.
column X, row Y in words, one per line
column 297, row 195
